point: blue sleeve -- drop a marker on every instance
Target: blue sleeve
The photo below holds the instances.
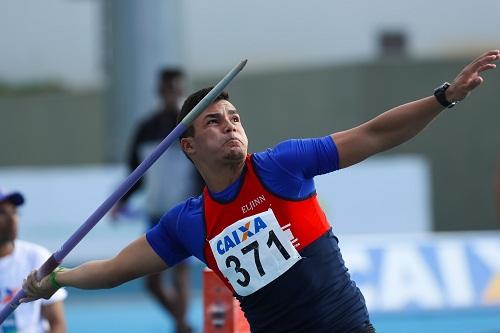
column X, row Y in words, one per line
column 306, row 158
column 165, row 238
column 288, row 169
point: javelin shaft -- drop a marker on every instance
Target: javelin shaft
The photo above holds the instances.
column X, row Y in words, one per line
column 57, row 257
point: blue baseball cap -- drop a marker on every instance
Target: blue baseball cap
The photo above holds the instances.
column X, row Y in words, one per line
column 14, row 197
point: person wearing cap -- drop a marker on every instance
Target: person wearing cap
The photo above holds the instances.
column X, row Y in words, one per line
column 17, row 259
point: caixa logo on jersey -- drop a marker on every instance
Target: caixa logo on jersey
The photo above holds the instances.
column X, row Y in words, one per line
column 234, row 235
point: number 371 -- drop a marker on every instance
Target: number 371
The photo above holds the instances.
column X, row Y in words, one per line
column 254, row 246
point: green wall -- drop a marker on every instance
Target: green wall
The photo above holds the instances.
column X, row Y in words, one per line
column 52, row 128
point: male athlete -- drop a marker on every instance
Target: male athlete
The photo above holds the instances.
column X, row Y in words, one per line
column 258, row 223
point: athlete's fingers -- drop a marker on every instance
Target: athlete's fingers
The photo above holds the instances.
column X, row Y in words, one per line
column 29, row 284
column 486, row 67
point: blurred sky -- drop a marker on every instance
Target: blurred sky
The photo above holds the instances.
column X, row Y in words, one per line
column 63, row 40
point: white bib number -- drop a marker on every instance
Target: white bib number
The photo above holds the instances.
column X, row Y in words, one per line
column 253, row 251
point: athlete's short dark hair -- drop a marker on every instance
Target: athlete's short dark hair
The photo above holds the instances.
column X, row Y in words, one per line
column 191, row 102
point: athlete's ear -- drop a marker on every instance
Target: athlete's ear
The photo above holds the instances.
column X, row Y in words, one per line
column 187, row 145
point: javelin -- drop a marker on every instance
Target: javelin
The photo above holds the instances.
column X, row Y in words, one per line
column 57, row 257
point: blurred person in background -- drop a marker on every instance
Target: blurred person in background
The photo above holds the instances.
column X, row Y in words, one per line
column 497, row 188
column 170, row 180
column 258, row 223
column 18, row 258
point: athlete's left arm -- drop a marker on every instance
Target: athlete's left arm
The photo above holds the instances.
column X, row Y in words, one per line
column 402, row 123
column 135, row 260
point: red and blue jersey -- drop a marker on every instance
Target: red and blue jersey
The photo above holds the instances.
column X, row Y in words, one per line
column 269, row 241
column 303, row 222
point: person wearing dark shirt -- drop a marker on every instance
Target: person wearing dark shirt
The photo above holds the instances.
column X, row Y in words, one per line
column 170, row 180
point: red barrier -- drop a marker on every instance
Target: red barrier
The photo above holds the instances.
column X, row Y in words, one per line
column 222, row 312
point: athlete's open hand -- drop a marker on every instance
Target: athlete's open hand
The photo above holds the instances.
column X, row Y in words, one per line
column 469, row 78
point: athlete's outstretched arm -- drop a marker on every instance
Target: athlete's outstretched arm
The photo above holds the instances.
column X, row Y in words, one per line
column 402, row 123
column 135, row 260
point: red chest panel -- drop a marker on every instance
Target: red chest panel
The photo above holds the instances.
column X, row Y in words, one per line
column 305, row 218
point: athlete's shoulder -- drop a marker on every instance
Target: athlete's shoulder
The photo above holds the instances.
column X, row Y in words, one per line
column 187, row 209
column 271, row 154
column 300, row 157
column 194, row 205
column 297, row 146
column 172, row 238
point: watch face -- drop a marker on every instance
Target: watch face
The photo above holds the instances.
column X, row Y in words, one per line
column 439, row 93
column 442, row 87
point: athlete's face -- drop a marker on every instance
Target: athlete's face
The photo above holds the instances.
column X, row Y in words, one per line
column 8, row 222
column 218, row 135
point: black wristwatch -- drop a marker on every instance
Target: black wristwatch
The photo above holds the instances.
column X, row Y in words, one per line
column 439, row 93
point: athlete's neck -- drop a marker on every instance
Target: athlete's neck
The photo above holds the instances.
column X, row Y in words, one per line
column 219, row 178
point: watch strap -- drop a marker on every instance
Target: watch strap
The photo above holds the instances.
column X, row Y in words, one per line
column 440, row 95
